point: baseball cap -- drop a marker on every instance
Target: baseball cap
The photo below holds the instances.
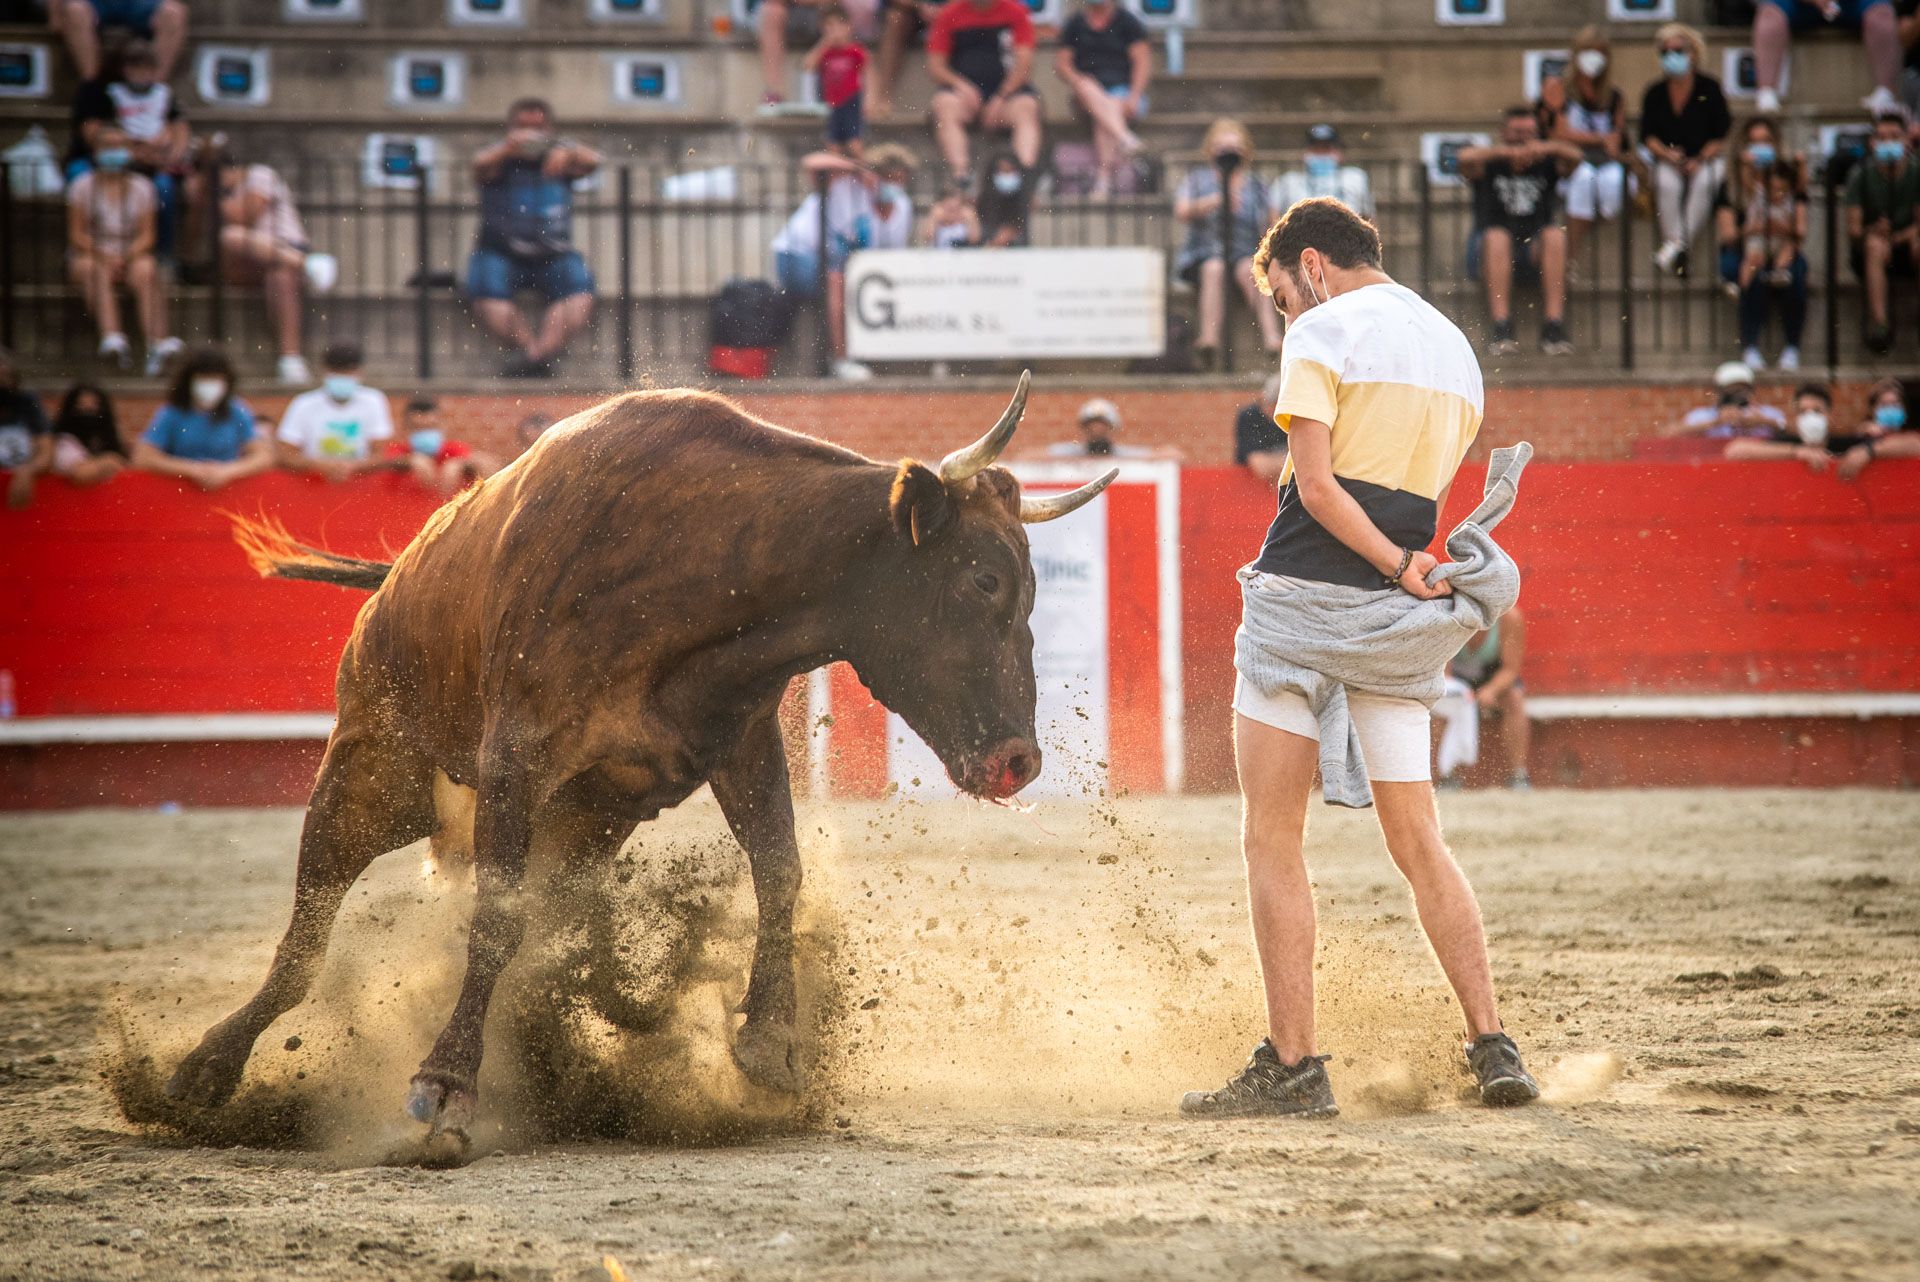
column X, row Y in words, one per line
column 1323, row 136
column 1098, row 408
column 1732, row 374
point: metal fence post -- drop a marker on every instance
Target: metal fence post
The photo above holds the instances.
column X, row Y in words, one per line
column 216, row 256
column 623, row 329
column 1424, row 185
column 1832, row 287
column 1625, row 223
column 6, row 251
column 821, row 182
column 423, row 292
column 1224, row 165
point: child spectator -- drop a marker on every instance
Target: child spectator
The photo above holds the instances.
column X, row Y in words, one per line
column 1775, row 227
column 111, row 216
column 437, row 463
column 332, row 430
column 264, row 243
column 205, row 432
column 840, row 63
column 953, row 221
column 143, row 106
column 1004, row 203
column 84, row 447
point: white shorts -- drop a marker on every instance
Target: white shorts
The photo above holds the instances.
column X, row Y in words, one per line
column 1396, row 735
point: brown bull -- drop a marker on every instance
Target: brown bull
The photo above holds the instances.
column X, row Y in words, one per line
column 609, row 623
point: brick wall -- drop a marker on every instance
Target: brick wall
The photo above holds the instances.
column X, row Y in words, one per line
column 1565, row 423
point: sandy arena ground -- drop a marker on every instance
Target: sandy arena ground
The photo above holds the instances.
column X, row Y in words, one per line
column 1720, row 992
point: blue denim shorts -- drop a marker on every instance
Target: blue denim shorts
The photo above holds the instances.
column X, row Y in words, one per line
column 797, row 274
column 136, row 15
column 1805, row 14
column 492, row 274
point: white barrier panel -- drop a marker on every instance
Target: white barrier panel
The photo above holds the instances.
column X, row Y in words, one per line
column 945, row 304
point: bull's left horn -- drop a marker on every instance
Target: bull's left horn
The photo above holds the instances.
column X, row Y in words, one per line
column 1058, row 505
column 963, row 463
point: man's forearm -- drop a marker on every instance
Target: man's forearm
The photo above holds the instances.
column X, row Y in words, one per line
column 1342, row 516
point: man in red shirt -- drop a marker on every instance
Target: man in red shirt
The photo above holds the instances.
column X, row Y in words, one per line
column 980, row 53
column 841, row 65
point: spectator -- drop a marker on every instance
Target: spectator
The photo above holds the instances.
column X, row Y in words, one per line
column 1683, row 123
column 1004, row 204
column 953, row 221
column 79, row 22
column 437, row 462
column 840, row 63
column 1759, row 152
column 1882, row 194
column 1810, row 438
column 526, row 239
column 84, row 446
column 802, row 22
column 1106, row 62
column 1258, row 443
column 263, row 242
column 205, row 432
column 26, row 443
column 1887, row 433
column 334, row 430
column 144, row 109
column 1775, row 228
column 867, row 208
column 111, row 215
column 1733, row 413
column 980, row 53
column 1485, row 678
column 531, row 428
column 1774, row 21
column 1589, row 111
column 1323, row 173
column 1202, row 262
column 1514, row 188
column 1099, row 420
column 905, row 20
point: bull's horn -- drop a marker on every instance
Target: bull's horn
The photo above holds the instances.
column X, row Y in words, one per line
column 963, row 463
column 1058, row 505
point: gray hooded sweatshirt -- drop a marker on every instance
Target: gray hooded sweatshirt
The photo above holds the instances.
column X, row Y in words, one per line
column 1323, row 639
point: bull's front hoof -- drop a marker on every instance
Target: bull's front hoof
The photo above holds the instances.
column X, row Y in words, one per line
column 769, row 1057
column 444, row 1102
column 208, row 1076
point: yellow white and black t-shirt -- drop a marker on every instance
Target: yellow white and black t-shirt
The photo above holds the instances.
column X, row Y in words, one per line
column 1399, row 385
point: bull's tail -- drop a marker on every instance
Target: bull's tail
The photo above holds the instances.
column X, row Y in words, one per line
column 276, row 554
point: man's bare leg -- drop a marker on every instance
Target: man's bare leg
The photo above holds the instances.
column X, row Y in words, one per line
column 1276, row 773
column 1449, row 913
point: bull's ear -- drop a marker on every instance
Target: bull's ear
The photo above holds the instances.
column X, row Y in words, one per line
column 920, row 505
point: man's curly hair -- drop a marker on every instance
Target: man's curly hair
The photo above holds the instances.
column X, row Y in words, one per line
column 1319, row 222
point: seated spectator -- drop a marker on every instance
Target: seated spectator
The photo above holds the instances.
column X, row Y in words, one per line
column 1763, row 291
column 1004, row 203
column 1810, row 438
column 1774, row 21
column 840, row 63
column 26, row 442
column 1485, row 678
column 801, row 22
column 1323, row 173
column 867, row 208
column 953, row 221
column 111, row 216
column 1515, row 185
column 143, row 107
column 980, row 54
column 204, row 433
column 1734, row 411
column 1683, row 124
column 1882, row 194
column 83, row 448
column 334, row 430
column 1774, row 230
column 1258, row 443
column 1588, row 110
column 436, row 461
column 80, row 22
column 531, row 428
column 1106, row 61
column 264, row 243
column 1202, row 262
column 1887, row 433
column 526, row 239
column 1099, row 420
column 905, row 20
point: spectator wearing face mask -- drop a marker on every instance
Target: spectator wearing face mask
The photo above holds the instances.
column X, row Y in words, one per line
column 111, row 232
column 1763, row 292
column 84, row 446
column 1809, row 436
column 1588, row 111
column 1882, row 196
column 337, row 429
column 1258, row 443
column 1324, row 172
column 204, row 433
column 1684, row 121
column 1734, row 411
column 137, row 101
column 1202, row 261
column 26, row 445
column 1099, row 421
column 1887, row 433
column 1003, row 204
column 434, row 459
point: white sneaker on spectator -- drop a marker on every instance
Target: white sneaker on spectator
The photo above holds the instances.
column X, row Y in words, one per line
column 1882, row 102
column 850, row 370
column 323, row 272
column 1667, row 257
column 160, row 353
column 1789, row 358
column 1753, row 359
column 1767, row 102
column 115, row 348
column 294, row 371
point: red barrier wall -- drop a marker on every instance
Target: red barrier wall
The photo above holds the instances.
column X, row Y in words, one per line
column 1641, row 577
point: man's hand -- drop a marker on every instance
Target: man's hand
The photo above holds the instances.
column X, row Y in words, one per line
column 1853, row 462
column 1414, row 578
column 968, row 93
column 1816, row 459
column 1488, row 697
column 20, row 488
column 335, row 470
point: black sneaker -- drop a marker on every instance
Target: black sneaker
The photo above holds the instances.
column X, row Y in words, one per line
column 1502, row 343
column 1268, row 1088
column 1504, row 1080
column 1554, row 340
column 1879, row 339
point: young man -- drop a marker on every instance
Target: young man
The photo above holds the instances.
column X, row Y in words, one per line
column 1883, row 222
column 1515, row 187
column 1380, row 397
column 980, row 54
column 336, row 429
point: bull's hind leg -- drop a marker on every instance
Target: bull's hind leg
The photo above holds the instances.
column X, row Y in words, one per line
column 757, row 799
column 370, row 798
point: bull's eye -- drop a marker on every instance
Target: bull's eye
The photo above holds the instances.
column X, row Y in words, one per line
column 987, row 582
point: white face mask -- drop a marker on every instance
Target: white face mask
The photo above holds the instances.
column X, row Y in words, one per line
column 1591, row 62
column 208, row 392
column 1812, row 426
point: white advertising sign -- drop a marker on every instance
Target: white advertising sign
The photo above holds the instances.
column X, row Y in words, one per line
column 943, row 304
